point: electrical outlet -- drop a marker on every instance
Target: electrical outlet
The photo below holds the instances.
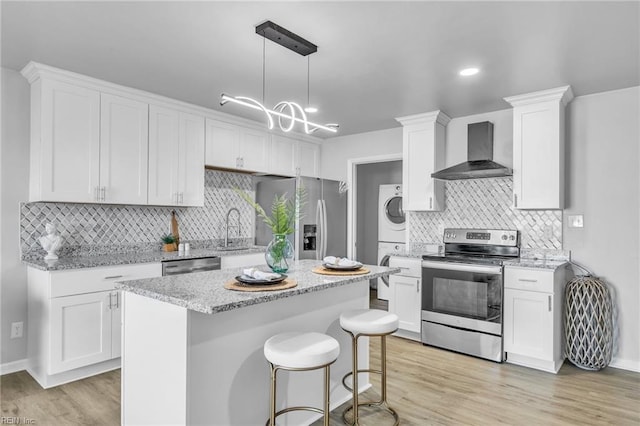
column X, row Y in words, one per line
column 16, row 329
column 575, row 221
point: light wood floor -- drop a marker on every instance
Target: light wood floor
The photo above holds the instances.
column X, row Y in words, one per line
column 427, row 386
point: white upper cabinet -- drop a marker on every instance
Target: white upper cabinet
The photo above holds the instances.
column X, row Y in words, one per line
column 308, row 159
column 283, row 155
column 423, row 138
column 124, row 144
column 65, row 142
column 176, row 157
column 293, row 157
column 538, row 148
column 230, row 146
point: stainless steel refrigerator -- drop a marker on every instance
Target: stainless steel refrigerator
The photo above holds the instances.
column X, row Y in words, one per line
column 322, row 228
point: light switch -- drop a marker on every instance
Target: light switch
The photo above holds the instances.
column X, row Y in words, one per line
column 575, row 221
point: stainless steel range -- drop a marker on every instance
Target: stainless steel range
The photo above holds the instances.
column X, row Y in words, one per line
column 462, row 291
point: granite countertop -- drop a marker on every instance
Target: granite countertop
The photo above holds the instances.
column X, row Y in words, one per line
column 127, row 258
column 204, row 291
column 535, row 263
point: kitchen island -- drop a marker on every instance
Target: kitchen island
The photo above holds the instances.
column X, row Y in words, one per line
column 192, row 350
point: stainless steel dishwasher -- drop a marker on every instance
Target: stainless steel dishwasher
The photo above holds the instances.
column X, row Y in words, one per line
column 187, row 266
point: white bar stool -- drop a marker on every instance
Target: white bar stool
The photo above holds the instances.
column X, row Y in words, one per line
column 368, row 322
column 297, row 351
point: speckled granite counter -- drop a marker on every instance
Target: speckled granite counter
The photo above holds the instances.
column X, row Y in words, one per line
column 80, row 262
column 535, row 263
column 204, row 292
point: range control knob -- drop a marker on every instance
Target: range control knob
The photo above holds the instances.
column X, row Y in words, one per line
column 504, row 236
column 512, row 237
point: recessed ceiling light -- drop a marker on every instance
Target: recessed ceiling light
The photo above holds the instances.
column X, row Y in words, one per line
column 469, row 71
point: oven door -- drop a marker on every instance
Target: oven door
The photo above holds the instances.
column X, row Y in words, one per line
column 463, row 296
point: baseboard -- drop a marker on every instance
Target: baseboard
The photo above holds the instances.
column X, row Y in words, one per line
column 625, row 364
column 13, row 367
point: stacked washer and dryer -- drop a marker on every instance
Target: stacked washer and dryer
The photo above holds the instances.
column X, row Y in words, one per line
column 391, row 230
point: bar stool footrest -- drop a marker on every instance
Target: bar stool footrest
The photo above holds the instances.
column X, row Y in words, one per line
column 301, row 408
column 382, row 404
column 344, row 378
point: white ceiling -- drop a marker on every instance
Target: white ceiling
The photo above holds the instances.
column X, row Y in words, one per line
column 375, row 60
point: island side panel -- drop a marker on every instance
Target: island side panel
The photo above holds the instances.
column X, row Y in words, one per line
column 154, row 362
column 229, row 377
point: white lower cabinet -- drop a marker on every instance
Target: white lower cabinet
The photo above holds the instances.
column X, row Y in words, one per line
column 533, row 333
column 74, row 327
column 405, row 299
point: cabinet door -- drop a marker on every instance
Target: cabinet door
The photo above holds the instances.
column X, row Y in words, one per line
column 191, row 157
column 80, row 331
column 538, row 154
column 308, row 159
column 528, row 323
column 405, row 301
column 283, row 156
column 254, row 150
column 124, row 149
column 164, row 149
column 423, row 154
column 67, row 154
column 222, row 144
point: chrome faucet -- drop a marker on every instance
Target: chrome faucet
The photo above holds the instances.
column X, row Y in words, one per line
column 226, row 235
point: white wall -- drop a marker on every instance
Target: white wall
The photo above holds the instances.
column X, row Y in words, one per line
column 337, row 151
column 14, row 189
column 603, row 184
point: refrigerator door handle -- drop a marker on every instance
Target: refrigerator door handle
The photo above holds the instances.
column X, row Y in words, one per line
column 324, row 229
column 319, row 237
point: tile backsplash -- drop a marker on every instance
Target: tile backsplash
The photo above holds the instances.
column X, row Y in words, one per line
column 119, row 227
column 486, row 203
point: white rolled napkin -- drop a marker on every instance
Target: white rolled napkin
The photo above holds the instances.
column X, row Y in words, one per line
column 339, row 261
column 260, row 275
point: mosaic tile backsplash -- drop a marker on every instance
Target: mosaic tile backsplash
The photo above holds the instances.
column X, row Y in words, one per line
column 486, row 203
column 88, row 228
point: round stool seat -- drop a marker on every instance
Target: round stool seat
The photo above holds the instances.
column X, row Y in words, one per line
column 301, row 350
column 369, row 321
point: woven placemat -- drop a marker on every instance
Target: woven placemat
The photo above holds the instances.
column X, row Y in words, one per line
column 238, row 286
column 324, row 271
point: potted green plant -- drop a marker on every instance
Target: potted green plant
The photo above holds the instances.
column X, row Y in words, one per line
column 284, row 213
column 169, row 241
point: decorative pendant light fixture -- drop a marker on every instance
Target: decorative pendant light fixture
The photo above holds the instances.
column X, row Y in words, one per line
column 288, row 113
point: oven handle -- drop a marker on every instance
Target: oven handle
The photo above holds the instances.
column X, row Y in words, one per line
column 482, row 269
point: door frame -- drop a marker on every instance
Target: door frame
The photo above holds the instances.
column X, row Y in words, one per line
column 352, row 214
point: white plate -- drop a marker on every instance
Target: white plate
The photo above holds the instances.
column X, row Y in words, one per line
column 343, row 267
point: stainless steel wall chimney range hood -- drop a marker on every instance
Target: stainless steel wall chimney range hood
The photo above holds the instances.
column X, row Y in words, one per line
column 479, row 162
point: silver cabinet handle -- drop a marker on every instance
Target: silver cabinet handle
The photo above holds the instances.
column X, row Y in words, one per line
column 103, row 193
column 417, row 286
column 182, row 198
column 430, row 202
column 549, row 298
column 527, row 280
column 110, row 301
column 113, row 277
column 96, row 193
column 117, row 299
column 515, row 200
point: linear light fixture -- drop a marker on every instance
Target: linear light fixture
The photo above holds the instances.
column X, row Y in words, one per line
column 279, row 111
column 288, row 113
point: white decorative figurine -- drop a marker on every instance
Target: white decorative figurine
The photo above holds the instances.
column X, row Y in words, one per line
column 51, row 242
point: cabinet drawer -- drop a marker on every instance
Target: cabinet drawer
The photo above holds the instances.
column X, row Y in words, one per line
column 541, row 280
column 410, row 267
column 80, row 281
